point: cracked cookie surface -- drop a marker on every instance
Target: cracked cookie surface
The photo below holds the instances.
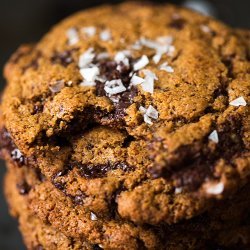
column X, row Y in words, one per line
column 140, row 115
column 42, row 211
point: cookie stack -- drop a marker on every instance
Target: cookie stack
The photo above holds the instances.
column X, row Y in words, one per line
column 127, row 127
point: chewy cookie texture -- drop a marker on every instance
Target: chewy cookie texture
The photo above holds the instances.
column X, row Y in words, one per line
column 127, row 127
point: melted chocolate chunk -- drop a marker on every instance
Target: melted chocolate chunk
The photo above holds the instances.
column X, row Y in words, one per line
column 38, row 108
column 23, row 188
column 96, row 247
column 177, row 24
column 58, row 184
column 109, row 70
column 63, row 58
column 7, row 144
column 126, row 99
column 193, row 176
column 98, row 171
column 190, row 165
column 100, row 88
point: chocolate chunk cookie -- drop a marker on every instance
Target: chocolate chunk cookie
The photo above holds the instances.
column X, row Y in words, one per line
column 46, row 208
column 36, row 234
column 134, row 114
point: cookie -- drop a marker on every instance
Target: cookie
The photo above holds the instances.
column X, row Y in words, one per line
column 227, row 225
column 36, row 234
column 137, row 113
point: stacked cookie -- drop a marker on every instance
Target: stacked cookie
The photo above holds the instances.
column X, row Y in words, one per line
column 127, row 127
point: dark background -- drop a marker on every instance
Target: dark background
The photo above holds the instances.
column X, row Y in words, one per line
column 26, row 21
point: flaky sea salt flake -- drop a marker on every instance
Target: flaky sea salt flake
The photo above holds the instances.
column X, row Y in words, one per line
column 72, row 36
column 240, row 101
column 89, row 31
column 135, row 80
column 142, row 110
column 141, row 63
column 215, row 189
column 136, row 46
column 102, row 56
column 90, row 74
column 149, row 113
column 57, row 86
column 121, row 57
column 152, row 112
column 114, row 87
column 214, row 137
column 178, row 190
column 166, row 68
column 205, row 28
column 148, row 84
column 87, row 84
column 157, row 58
column 105, row 35
column 16, row 154
column 93, row 216
column 86, row 58
column 147, row 119
column 171, row 50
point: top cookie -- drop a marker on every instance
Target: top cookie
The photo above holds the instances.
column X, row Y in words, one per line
column 144, row 105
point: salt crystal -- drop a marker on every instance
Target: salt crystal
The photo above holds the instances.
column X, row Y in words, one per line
column 136, row 45
column 178, row 190
column 161, row 45
column 142, row 110
column 69, row 83
column 135, row 80
column 205, row 28
column 89, row 31
column 240, row 101
column 72, row 35
column 86, row 58
column 87, row 84
column 16, row 154
column 157, row 58
column 57, row 86
column 103, row 55
column 93, row 216
column 149, row 43
column 148, row 84
column 121, row 57
column 105, row 35
column 214, row 136
column 152, row 112
column 166, row 68
column 90, row 74
column 141, row 63
column 147, row 119
column 215, row 188
column 148, row 113
column 114, row 87
column 171, row 50
column 165, row 40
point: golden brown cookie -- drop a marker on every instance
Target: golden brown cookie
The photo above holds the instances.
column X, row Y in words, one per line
column 137, row 113
column 36, row 234
column 227, row 225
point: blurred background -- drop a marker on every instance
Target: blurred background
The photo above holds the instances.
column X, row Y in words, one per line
column 26, row 21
